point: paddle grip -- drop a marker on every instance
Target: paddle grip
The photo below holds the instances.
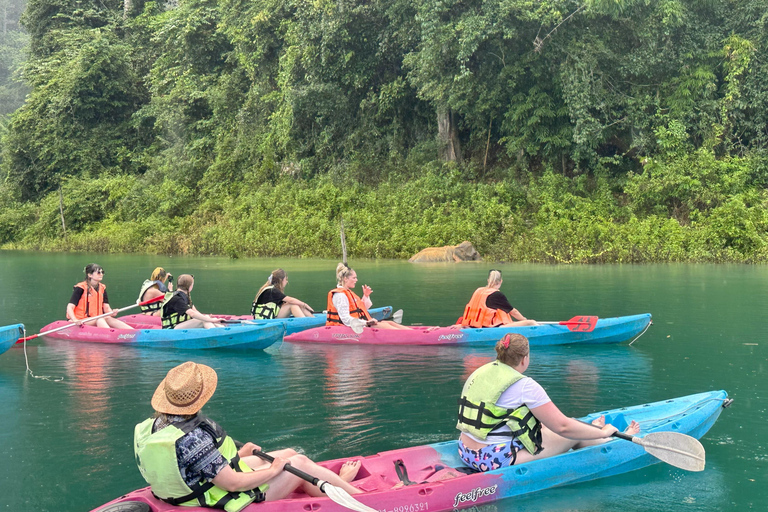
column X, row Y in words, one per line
column 622, row 435
column 299, row 473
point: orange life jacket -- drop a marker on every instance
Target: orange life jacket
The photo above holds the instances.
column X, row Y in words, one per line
column 478, row 314
column 356, row 307
column 91, row 301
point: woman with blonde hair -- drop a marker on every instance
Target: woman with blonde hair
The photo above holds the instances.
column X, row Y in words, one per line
column 272, row 302
column 488, row 307
column 506, row 418
column 344, row 306
column 158, row 284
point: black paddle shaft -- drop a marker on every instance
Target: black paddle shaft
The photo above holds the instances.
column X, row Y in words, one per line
column 299, row 473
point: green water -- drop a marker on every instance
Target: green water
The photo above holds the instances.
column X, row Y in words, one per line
column 66, row 445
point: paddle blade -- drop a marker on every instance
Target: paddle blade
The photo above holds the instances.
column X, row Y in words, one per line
column 397, row 316
column 581, row 323
column 674, row 448
column 343, row 498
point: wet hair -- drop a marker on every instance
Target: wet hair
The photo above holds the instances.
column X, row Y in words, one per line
column 342, row 272
column 275, row 279
column 494, row 277
column 185, row 281
column 158, row 274
column 511, row 349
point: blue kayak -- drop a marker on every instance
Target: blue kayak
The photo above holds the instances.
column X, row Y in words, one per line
column 240, row 336
column 292, row 325
column 9, row 334
column 436, row 486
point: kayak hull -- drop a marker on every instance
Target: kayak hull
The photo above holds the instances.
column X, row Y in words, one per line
column 441, row 488
column 148, row 335
column 292, row 325
column 607, row 330
column 9, row 334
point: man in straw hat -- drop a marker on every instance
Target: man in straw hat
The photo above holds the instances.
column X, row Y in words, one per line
column 188, row 459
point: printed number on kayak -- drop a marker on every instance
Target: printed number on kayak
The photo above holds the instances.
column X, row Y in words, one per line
column 415, row 507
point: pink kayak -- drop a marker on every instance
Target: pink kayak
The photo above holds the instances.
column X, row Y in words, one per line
column 418, row 335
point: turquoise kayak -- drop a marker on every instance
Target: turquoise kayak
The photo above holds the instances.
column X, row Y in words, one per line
column 433, row 484
column 292, row 325
column 9, row 334
column 234, row 336
column 606, row 330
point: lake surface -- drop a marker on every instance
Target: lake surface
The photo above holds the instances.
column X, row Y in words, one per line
column 67, row 441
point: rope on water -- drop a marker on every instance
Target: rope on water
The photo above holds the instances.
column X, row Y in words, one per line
column 636, row 337
column 29, row 370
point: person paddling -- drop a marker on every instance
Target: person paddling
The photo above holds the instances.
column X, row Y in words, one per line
column 488, row 307
column 344, row 304
column 159, row 283
column 506, row 418
column 178, row 312
column 272, row 302
column 89, row 299
column 189, row 460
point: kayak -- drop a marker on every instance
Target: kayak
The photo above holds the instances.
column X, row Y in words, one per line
column 607, row 330
column 438, row 486
column 240, row 336
column 9, row 334
column 292, row 325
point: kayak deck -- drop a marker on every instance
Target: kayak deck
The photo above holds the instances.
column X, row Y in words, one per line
column 441, row 487
column 9, row 334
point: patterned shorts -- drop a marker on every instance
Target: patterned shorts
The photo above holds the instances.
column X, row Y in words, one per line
column 492, row 456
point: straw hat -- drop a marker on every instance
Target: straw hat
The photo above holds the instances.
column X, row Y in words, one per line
column 185, row 389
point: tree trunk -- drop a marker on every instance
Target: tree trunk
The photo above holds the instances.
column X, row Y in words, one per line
column 126, row 8
column 450, row 148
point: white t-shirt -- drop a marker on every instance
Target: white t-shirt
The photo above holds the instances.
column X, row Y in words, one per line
column 525, row 391
column 342, row 307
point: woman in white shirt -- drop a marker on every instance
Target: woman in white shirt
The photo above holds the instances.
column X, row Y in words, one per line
column 344, row 305
column 507, row 418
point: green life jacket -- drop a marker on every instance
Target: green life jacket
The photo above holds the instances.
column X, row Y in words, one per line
column 155, row 306
column 156, row 458
column 264, row 311
column 171, row 320
column 480, row 416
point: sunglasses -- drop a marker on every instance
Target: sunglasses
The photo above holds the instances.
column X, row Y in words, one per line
column 100, row 271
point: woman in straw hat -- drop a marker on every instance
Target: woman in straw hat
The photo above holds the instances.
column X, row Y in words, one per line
column 157, row 285
column 507, row 418
column 188, row 459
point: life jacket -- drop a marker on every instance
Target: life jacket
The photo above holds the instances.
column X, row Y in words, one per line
column 264, row 311
column 91, row 301
column 156, row 458
column 478, row 314
column 480, row 416
column 356, row 307
column 171, row 320
column 155, row 306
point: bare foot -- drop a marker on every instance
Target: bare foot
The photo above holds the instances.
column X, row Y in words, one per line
column 349, row 470
column 632, row 429
column 599, row 422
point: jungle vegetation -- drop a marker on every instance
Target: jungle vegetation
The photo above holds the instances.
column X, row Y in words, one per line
column 539, row 130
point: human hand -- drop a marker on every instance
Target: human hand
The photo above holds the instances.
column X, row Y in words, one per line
column 279, row 463
column 608, row 430
column 248, row 449
column 367, row 290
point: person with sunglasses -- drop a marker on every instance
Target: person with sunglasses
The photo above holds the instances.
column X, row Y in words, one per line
column 488, row 307
column 89, row 299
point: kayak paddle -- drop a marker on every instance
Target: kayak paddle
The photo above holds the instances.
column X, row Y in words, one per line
column 397, row 316
column 71, row 324
column 679, row 450
column 336, row 494
column 578, row 323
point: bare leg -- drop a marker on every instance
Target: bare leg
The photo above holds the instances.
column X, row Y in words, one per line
column 286, row 483
column 116, row 324
column 388, row 324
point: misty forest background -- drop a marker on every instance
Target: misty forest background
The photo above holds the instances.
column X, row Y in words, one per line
column 539, row 130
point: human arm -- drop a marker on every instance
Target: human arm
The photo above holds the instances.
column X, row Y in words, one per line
column 367, row 296
column 570, row 428
column 341, row 304
column 234, row 481
column 294, row 301
column 192, row 312
column 77, row 292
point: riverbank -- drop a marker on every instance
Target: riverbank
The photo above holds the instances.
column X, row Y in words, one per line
column 548, row 218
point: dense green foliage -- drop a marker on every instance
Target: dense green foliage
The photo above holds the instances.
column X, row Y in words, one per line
column 607, row 130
